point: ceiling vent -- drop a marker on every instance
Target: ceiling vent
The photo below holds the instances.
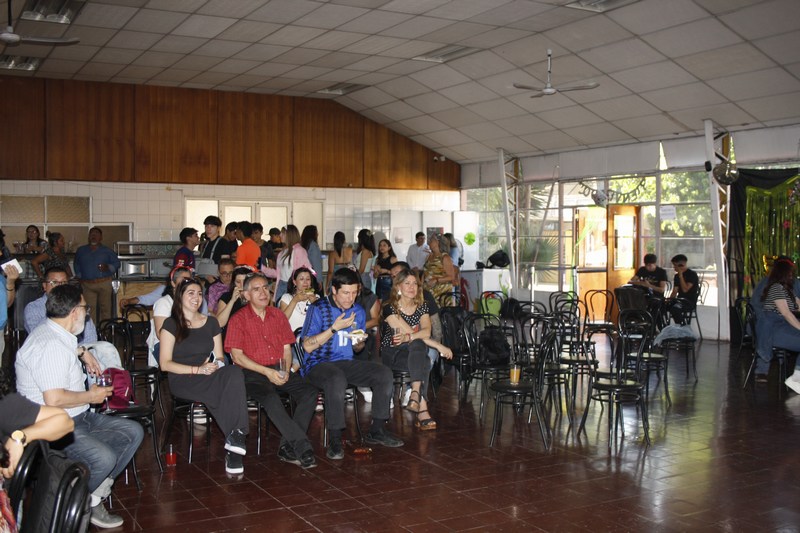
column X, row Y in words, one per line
column 342, row 88
column 9, row 62
column 446, row 53
column 58, row 11
column 599, row 6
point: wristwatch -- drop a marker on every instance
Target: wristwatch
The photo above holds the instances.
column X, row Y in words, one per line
column 333, row 331
column 20, row 437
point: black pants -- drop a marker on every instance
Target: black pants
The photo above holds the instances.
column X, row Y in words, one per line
column 411, row 357
column 293, row 430
column 681, row 310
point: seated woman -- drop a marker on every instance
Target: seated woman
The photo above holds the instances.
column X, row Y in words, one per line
column 162, row 309
column 190, row 345
column 439, row 272
column 405, row 337
column 233, row 300
column 52, row 256
column 777, row 326
column 300, row 294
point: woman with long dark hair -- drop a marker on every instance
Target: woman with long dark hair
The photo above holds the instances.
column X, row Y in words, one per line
column 308, row 240
column 162, row 309
column 382, row 271
column 52, row 256
column 292, row 257
column 302, row 292
column 777, row 326
column 365, row 257
column 191, row 348
column 34, row 244
column 340, row 257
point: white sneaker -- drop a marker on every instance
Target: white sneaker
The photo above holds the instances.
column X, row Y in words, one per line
column 793, row 382
column 406, row 396
column 103, row 519
column 366, row 392
column 391, row 403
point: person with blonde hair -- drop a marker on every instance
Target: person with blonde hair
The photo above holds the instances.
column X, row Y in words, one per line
column 292, row 257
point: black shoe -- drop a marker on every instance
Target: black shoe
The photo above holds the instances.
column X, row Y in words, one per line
column 383, row 438
column 307, row 460
column 335, row 450
column 233, row 463
column 286, row 454
column 236, row 442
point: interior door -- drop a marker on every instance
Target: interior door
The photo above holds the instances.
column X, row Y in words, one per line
column 623, row 253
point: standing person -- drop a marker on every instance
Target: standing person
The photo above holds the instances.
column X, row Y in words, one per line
column 8, row 277
column 215, row 247
column 230, row 238
column 277, row 239
column 292, row 257
column 53, row 256
column 329, row 364
column 248, row 253
column 263, row 246
column 456, row 250
column 383, row 269
column 191, row 345
column 95, row 266
column 340, row 257
column 685, row 290
column 308, row 240
column 260, row 341
column 49, row 372
column 5, row 253
column 365, row 257
column 34, row 244
column 418, row 253
column 439, row 269
column 185, row 254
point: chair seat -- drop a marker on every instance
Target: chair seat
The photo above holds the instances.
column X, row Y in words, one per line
column 134, row 411
column 621, row 385
column 506, row 387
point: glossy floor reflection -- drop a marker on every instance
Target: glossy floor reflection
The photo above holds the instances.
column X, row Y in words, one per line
column 722, row 459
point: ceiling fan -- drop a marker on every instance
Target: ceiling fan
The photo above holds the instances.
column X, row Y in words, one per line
column 548, row 88
column 9, row 38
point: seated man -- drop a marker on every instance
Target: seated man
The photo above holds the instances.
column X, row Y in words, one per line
column 49, row 373
column 652, row 279
column 685, row 290
column 329, row 363
column 36, row 314
column 221, row 284
column 259, row 339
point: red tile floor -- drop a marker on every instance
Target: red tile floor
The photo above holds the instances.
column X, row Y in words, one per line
column 722, row 459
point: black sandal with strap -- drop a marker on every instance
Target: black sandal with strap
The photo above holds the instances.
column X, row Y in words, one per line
column 417, row 401
column 429, row 424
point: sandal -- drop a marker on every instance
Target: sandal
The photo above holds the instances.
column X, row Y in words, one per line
column 429, row 424
column 412, row 400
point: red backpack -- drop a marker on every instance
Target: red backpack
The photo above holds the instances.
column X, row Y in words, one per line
column 122, row 395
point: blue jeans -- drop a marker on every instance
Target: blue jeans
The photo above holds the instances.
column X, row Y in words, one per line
column 104, row 443
column 774, row 332
column 383, row 287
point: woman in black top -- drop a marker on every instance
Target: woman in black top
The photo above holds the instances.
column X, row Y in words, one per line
column 777, row 326
column 382, row 270
column 191, row 347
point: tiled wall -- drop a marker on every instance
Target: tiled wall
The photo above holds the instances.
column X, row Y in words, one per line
column 157, row 210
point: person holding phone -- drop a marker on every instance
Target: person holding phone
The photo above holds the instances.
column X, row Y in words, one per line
column 332, row 333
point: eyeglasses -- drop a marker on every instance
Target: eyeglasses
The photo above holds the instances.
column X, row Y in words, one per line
column 88, row 308
column 54, row 283
column 225, row 274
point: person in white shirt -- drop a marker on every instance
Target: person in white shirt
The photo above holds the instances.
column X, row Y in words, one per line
column 418, row 254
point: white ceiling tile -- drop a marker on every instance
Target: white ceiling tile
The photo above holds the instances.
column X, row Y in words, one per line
column 76, row 52
column 373, row 44
column 371, row 97
column 523, row 125
column 623, row 107
column 756, row 84
column 439, row 77
column 374, row 21
column 723, row 115
column 250, row 31
column 116, row 56
column 497, row 109
column 493, row 38
column 566, row 69
column 219, row 48
column 272, row 69
column 334, row 40
column 597, row 134
column 480, row 64
column 307, row 73
column 683, row 97
column 350, row 103
column 303, row 87
column 372, row 63
column 569, row 117
column 337, row 60
column 464, row 9
column 649, row 126
column 468, row 93
column 330, row 16
column 196, row 62
column 449, row 137
column 178, row 44
column 226, row 8
column 782, row 48
column 141, row 73
column 527, row 51
column 398, row 127
column 431, row 102
column 475, row 151
column 398, row 110
column 503, row 83
column 608, row 88
column 157, row 59
column 203, row 26
column 375, row 116
column 134, row 39
column 537, row 105
column 373, row 78
column 155, row 21
column 509, row 12
column 175, row 75
column 278, row 83
column 101, row 69
column 193, row 85
column 794, row 69
column 588, row 33
column 553, row 18
column 403, row 88
column 483, row 131
column 456, row 32
column 649, row 77
column 292, row 36
column 90, row 36
column 234, row 66
column 214, row 78
column 188, row 6
column 413, row 6
column 261, row 52
column 691, row 38
column 651, row 15
column 339, row 75
column 284, row 11
column 105, row 16
column 405, row 68
column 299, row 56
column 416, row 27
column 512, row 145
column 621, row 55
column 773, row 107
column 725, row 61
column 720, row 7
column 410, row 49
column 550, row 140
column 458, row 117
column 765, row 18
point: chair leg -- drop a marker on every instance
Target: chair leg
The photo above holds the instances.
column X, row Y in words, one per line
column 191, row 431
column 258, row 428
column 498, row 413
column 156, row 452
column 167, row 435
column 751, row 369
column 136, row 474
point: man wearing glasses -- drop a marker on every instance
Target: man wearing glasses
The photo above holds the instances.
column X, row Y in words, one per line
column 49, row 372
column 685, row 290
column 222, row 284
column 260, row 340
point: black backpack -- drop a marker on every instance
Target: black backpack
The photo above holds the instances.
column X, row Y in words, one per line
column 452, row 329
column 493, row 348
column 510, row 309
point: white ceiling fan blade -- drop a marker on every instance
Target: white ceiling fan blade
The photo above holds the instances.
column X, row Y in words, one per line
column 50, row 41
column 581, row 87
column 527, row 87
column 538, row 95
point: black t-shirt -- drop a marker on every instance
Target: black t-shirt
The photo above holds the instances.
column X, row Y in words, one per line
column 238, row 304
column 217, row 248
column 16, row 412
column 654, row 278
column 690, row 276
column 198, row 345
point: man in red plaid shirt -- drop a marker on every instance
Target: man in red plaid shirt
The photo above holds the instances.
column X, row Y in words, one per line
column 259, row 338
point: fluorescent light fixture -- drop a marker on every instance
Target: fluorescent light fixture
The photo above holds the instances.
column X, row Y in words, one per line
column 446, row 53
column 58, row 11
column 342, row 88
column 9, row 62
column 599, row 6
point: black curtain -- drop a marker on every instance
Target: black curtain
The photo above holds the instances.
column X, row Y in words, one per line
column 762, row 179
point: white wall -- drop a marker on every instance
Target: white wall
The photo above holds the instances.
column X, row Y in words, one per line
column 157, row 210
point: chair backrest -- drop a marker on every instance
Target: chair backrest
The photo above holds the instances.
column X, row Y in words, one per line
column 487, row 340
column 117, row 332
column 560, row 298
column 297, row 347
column 452, row 319
column 599, row 304
column 491, row 302
column 704, row 287
column 636, row 329
column 630, row 298
column 138, row 317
